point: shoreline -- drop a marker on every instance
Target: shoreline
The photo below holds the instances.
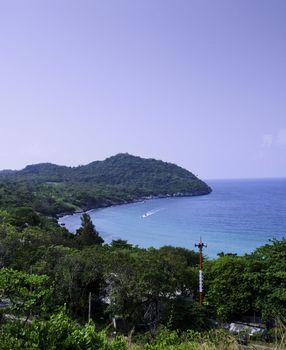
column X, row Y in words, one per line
column 225, row 220
column 109, row 203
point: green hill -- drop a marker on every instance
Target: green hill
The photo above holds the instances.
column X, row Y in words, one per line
column 53, row 189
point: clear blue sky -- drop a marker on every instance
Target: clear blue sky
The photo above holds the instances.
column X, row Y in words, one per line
column 200, row 83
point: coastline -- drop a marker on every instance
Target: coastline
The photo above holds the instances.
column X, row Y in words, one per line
column 226, row 219
column 110, row 203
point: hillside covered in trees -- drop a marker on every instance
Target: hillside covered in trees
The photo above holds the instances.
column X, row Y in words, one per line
column 52, row 282
column 52, row 189
column 48, row 276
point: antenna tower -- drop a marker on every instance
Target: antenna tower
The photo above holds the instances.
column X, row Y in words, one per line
column 201, row 245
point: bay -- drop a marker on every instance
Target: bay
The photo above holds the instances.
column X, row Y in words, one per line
column 237, row 217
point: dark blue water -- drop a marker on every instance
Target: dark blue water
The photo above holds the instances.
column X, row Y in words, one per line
column 237, row 217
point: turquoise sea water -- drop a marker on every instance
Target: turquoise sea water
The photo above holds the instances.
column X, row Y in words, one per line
column 238, row 216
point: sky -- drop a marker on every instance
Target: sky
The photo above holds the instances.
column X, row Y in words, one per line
column 200, row 83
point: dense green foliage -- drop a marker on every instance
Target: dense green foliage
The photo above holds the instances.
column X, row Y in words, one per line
column 53, row 189
column 44, row 267
column 48, row 275
column 61, row 332
column 58, row 332
column 87, row 235
column 253, row 283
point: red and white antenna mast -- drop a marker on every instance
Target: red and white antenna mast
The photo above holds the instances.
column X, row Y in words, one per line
column 201, row 245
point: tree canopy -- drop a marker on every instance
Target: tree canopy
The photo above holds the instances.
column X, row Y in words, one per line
column 87, row 235
column 52, row 189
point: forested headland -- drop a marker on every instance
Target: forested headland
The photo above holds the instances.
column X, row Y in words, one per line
column 73, row 291
column 52, row 189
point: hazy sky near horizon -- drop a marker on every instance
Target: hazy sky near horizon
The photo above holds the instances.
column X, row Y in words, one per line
column 200, row 83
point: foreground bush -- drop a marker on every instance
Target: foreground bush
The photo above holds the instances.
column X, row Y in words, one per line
column 59, row 332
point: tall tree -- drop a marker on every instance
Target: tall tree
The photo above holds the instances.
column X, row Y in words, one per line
column 87, row 235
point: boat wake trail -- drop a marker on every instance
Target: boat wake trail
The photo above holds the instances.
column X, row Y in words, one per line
column 151, row 212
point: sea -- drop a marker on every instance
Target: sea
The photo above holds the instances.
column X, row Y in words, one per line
column 237, row 217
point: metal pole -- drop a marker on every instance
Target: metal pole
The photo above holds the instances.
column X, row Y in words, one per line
column 89, row 306
column 201, row 245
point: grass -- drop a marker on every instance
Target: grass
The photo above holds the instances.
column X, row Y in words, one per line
column 212, row 340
